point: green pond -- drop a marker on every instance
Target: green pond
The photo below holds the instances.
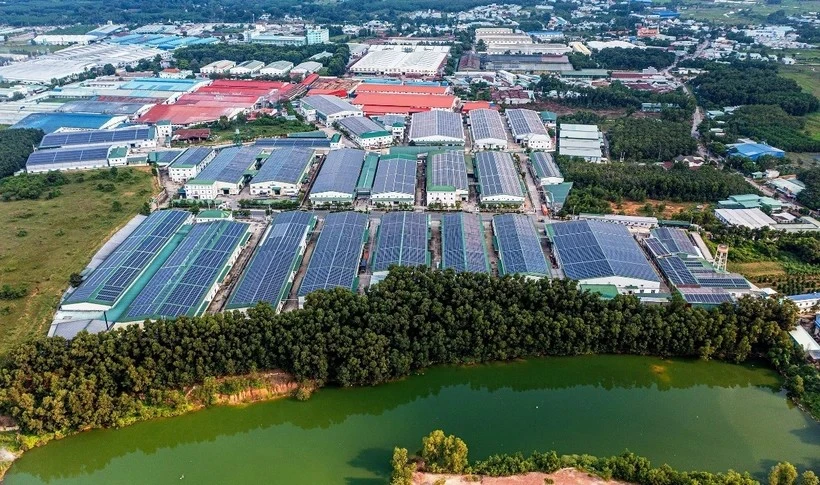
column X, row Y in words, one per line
column 690, row 414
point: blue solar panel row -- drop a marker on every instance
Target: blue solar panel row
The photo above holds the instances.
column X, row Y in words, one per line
column 519, row 247
column 95, row 137
column 395, row 175
column 293, row 142
column 269, row 273
column 229, row 165
column 677, row 272
column 722, row 280
column 287, row 165
column 676, row 240
column 67, row 155
column 656, row 248
column 335, row 259
column 402, row 240
column 706, row 296
column 339, row 172
column 119, row 270
column 462, row 243
column 181, row 284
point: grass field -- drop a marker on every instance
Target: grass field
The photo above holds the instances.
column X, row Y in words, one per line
column 756, row 270
column 808, row 77
column 43, row 241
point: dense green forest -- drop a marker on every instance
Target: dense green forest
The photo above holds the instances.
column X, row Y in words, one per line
column 414, row 319
column 772, row 125
column 441, row 453
column 617, row 95
column 47, row 12
column 650, row 140
column 810, row 196
column 17, row 145
column 616, row 181
column 742, row 83
column 195, row 56
column 618, row 58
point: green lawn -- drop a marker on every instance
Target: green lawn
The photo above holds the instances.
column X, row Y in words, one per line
column 808, row 77
column 43, row 241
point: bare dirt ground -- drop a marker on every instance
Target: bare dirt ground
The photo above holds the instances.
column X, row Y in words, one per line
column 635, row 208
column 567, row 476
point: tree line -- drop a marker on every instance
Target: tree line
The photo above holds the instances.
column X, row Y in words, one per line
column 810, row 196
column 650, row 140
column 441, row 453
column 616, row 95
column 414, row 319
column 15, row 147
column 618, row 58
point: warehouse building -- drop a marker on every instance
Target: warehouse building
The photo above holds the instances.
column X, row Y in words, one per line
column 76, row 158
column 749, row 218
column 277, row 68
column 226, row 174
column 487, row 130
column 365, row 132
column 581, row 141
column 337, row 178
column 217, row 67
column 544, row 169
column 519, row 247
column 188, row 280
column 462, row 243
column 269, row 274
column 246, row 68
column 436, row 128
column 136, row 137
column 447, row 183
column 376, row 104
column 336, row 257
column 602, row 253
column 395, row 181
column 283, row 172
column 327, row 109
column 51, row 122
column 189, row 163
column 528, row 130
column 305, row 68
column 393, row 89
column 498, row 179
column 402, row 239
column 401, row 63
column 754, row 151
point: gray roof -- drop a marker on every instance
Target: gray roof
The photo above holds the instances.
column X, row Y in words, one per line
column 519, row 248
column 287, row 164
column 447, row 169
column 525, row 122
column 328, row 105
column 436, row 123
column 339, row 172
column 228, row 166
column 487, row 124
column 191, row 157
column 395, row 175
column 497, row 174
column 544, row 165
column 360, row 125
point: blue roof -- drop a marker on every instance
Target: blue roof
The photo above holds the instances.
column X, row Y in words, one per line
column 335, row 258
column 228, row 166
column 807, row 296
column 462, row 243
column 161, row 84
column 402, row 240
column 51, row 122
column 287, row 164
column 755, row 150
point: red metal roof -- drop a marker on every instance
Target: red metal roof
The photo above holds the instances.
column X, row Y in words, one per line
column 377, row 103
column 468, row 106
column 401, row 89
column 186, row 114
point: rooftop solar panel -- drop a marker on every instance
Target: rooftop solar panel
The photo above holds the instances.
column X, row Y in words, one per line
column 181, row 284
column 293, row 141
column 486, row 124
column 395, row 175
column 191, row 157
column 677, row 272
column 722, row 280
column 335, row 259
column 706, row 296
column 462, row 243
column 447, row 169
column 497, row 174
column 360, row 125
column 287, row 165
column 59, row 156
column 270, row 271
column 525, row 122
column 676, row 240
column 121, row 268
column 655, row 247
column 229, row 165
column 544, row 165
column 402, row 240
column 339, row 172
column 519, row 248
column 436, row 123
column 597, row 249
column 94, row 137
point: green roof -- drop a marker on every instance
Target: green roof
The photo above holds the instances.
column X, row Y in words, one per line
column 368, row 173
column 548, row 116
column 118, row 152
column 558, row 193
column 374, row 134
column 605, row 291
column 213, row 214
column 335, row 138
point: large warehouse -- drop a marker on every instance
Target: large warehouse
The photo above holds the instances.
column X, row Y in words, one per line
column 447, row 182
column 283, row 172
column 377, row 104
column 528, row 129
column 336, row 181
column 402, row 239
column 76, row 158
column 545, row 168
column 51, row 122
column 225, row 174
column 436, row 128
column 269, row 274
column 487, row 130
column 336, row 257
column 519, row 247
column 401, row 63
column 133, row 137
column 395, row 181
column 463, row 245
column 327, row 109
column 188, row 280
column 602, row 253
column 498, row 179
column 189, row 163
column 581, row 141
column 365, row 132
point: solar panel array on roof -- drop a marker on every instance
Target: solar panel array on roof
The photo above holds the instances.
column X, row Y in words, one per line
column 722, row 280
column 402, row 240
column 361, row 125
column 462, row 243
column 395, row 175
column 165, row 157
column 95, row 137
column 519, row 248
column 524, row 122
column 228, row 166
column 655, row 247
column 286, row 165
column 335, row 259
column 268, row 275
column 676, row 240
column 486, row 124
column 705, row 296
column 596, row 249
column 191, row 157
column 497, row 174
column 545, row 166
column 339, row 172
column 677, row 272
column 122, row 267
column 66, row 157
column 181, row 284
column 293, row 141
column 447, row 169
column 436, row 123
column 328, row 105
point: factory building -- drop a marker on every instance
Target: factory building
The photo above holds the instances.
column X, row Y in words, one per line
column 365, row 132
column 337, row 179
column 498, row 179
column 327, row 109
column 189, row 163
column 487, row 130
column 447, row 183
column 528, row 129
column 283, row 172
column 436, row 128
column 226, row 174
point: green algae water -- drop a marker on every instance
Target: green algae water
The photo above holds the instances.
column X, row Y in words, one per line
column 690, row 414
